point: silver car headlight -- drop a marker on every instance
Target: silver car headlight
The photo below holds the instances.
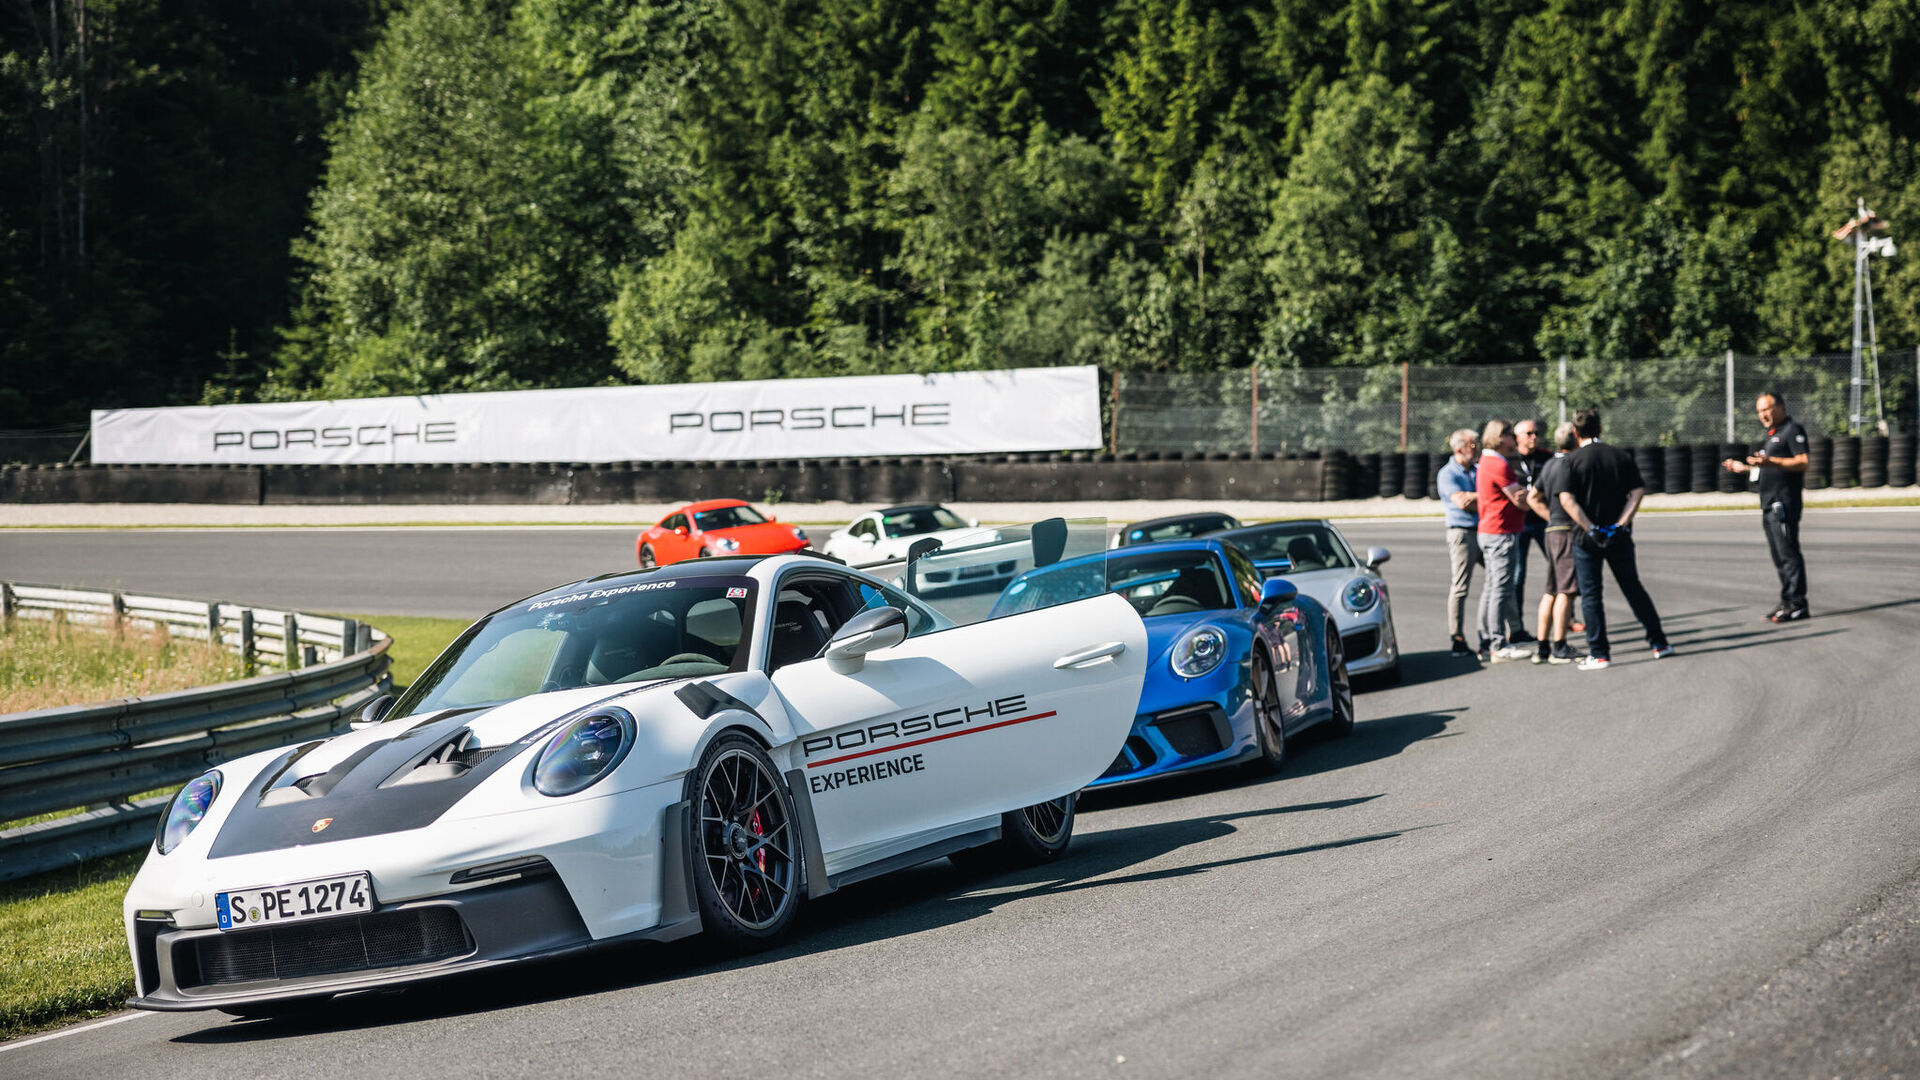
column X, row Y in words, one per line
column 187, row 810
column 584, row 751
column 1359, row 595
column 725, row 543
column 1199, row 652
column 799, row 533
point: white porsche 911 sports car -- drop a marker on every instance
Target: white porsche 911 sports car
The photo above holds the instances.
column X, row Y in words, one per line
column 643, row 755
column 884, row 536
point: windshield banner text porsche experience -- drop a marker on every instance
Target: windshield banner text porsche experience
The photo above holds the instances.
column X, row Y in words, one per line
column 1023, row 410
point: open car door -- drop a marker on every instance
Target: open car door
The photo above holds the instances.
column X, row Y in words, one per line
column 937, row 736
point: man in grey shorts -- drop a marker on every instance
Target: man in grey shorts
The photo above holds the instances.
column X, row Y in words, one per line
column 1556, row 601
column 1457, row 496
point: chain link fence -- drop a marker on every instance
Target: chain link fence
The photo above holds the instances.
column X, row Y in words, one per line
column 1663, row 402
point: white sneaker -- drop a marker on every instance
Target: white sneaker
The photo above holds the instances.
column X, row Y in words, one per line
column 1663, row 652
column 1513, row 652
column 1594, row 663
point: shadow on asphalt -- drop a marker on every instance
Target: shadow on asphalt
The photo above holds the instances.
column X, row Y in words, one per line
column 1418, row 668
column 912, row 901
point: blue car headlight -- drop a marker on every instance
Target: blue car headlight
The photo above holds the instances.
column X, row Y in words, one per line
column 188, row 809
column 1199, row 652
column 584, row 751
column 1359, row 595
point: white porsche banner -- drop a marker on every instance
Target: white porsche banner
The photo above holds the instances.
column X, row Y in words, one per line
column 1028, row 409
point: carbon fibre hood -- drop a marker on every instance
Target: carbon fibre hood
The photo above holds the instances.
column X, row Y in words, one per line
column 390, row 785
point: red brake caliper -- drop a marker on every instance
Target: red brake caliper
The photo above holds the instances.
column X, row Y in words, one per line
column 759, row 829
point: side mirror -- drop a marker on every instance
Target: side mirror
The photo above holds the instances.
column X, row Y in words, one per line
column 1376, row 556
column 916, row 551
column 880, row 628
column 679, row 530
column 376, row 711
column 1276, row 591
column 973, row 522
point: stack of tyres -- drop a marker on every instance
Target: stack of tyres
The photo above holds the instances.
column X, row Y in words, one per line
column 1846, row 461
column 1873, row 461
column 1900, row 465
column 1393, row 471
column 1706, row 467
column 1420, row 475
column 1678, row 470
column 1366, row 476
column 1731, row 483
column 1819, row 461
column 1336, row 475
column 1653, row 467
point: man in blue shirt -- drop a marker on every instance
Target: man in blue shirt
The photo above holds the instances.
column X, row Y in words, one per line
column 1457, row 495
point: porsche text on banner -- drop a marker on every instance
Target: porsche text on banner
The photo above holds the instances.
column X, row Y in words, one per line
column 1028, row 409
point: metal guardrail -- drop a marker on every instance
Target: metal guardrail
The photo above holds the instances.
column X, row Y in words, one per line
column 100, row 756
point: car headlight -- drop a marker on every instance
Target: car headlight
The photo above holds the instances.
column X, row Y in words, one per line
column 188, row 808
column 725, row 543
column 1199, row 652
column 799, row 534
column 584, row 751
column 1359, row 595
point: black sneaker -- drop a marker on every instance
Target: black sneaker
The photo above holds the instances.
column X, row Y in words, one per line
column 1777, row 614
column 1521, row 637
column 1461, row 647
column 1561, row 654
column 1801, row 612
column 1541, row 654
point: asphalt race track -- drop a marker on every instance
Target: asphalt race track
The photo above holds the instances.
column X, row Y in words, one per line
column 1701, row 866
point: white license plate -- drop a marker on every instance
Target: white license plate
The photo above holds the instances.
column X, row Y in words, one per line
column 321, row 898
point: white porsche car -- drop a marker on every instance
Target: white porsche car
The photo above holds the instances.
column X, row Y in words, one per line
column 1316, row 557
column 643, row 755
column 885, row 536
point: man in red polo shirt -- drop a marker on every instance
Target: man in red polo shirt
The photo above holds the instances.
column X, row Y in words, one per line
column 1501, row 497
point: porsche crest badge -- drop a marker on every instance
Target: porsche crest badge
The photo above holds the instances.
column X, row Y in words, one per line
column 322, row 824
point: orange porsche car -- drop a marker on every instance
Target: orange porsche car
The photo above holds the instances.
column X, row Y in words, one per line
column 715, row 527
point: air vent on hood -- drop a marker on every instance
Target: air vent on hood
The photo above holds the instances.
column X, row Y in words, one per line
column 451, row 759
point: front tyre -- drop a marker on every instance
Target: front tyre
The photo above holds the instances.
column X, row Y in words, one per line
column 1270, row 734
column 647, row 560
column 744, row 845
column 1339, row 687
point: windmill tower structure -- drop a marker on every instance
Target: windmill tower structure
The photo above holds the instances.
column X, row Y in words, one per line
column 1868, row 232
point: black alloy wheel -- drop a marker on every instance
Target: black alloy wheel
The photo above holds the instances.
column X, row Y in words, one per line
column 1339, row 686
column 1029, row 836
column 745, row 846
column 647, row 561
column 1268, row 722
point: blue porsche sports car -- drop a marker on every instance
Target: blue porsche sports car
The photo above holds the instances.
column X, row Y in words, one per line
column 1237, row 664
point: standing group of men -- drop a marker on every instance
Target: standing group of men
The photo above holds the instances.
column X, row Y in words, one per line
column 1575, row 501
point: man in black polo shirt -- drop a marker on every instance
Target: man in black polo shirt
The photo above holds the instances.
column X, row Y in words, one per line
column 1780, row 466
column 1601, row 493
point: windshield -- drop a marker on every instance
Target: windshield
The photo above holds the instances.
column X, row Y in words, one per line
column 1184, row 528
column 920, row 519
column 1310, row 545
column 1154, row 582
column 727, row 517
column 595, row 636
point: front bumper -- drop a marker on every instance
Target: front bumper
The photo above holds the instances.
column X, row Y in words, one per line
column 1369, row 642
column 391, row 946
column 1183, row 739
column 529, row 914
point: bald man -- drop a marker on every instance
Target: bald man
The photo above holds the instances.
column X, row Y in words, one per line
column 1779, row 465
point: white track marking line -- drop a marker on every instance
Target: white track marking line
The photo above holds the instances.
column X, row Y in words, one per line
column 63, row 1033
